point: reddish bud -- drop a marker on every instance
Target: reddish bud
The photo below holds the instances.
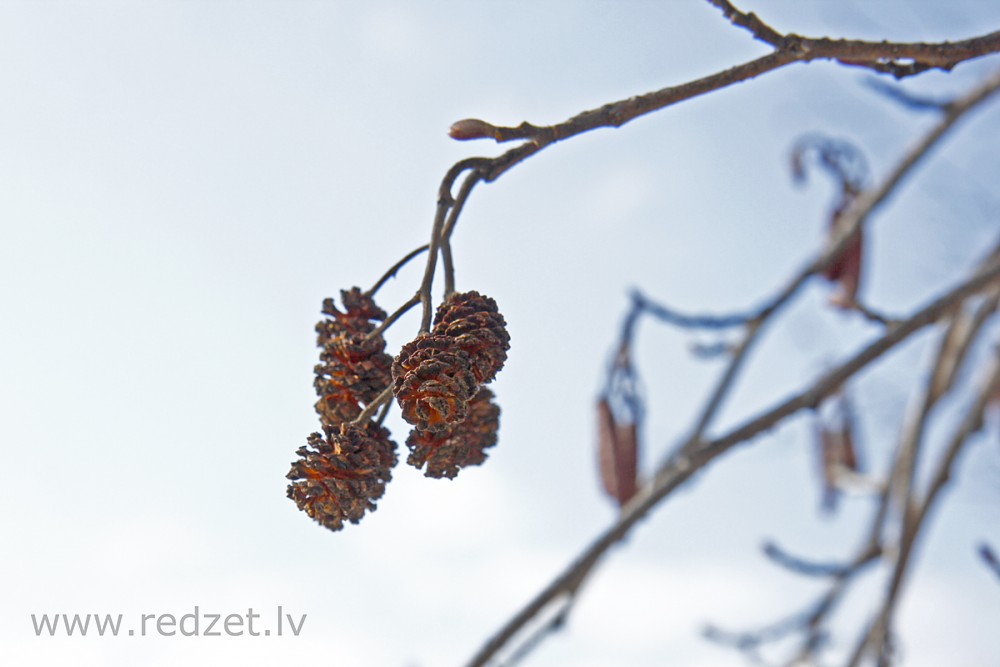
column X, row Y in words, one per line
column 471, row 128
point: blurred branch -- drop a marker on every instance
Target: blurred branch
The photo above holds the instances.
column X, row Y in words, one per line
column 989, row 557
column 963, row 327
column 802, row 566
column 907, row 99
column 876, row 639
column 641, row 304
column 682, row 466
column 809, row 621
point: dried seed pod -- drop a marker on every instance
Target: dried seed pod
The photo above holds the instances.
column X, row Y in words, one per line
column 617, row 453
column 356, row 363
column 845, row 271
column 448, row 450
column 359, row 309
column 478, row 328
column 339, row 476
column 354, row 369
column 433, row 381
column 337, row 406
column 847, row 165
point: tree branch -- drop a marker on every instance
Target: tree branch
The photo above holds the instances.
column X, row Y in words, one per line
column 877, row 636
column 391, row 273
column 680, row 468
column 696, row 453
column 878, row 56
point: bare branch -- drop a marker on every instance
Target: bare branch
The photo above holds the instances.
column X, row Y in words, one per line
column 726, row 381
column 809, row 621
column 395, row 315
column 643, row 305
column 897, row 58
column 680, row 468
column 802, row 566
column 449, row 226
column 381, row 400
column 391, row 273
column 757, row 28
column 878, row 634
column 907, row 99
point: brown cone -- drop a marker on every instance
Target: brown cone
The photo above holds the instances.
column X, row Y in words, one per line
column 433, row 381
column 447, row 451
column 478, row 329
column 339, row 476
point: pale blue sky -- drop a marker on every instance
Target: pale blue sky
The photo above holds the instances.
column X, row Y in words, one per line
column 181, row 183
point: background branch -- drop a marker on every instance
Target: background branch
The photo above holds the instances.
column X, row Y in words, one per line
column 681, row 467
column 878, row 635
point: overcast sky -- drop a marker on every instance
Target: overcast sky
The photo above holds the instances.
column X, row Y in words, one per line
column 182, row 183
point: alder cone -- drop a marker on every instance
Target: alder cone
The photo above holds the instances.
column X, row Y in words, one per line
column 473, row 321
column 359, row 310
column 433, row 381
column 339, row 476
column 449, row 450
column 354, row 369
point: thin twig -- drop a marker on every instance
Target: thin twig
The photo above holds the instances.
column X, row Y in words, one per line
column 385, row 413
column 395, row 315
column 449, row 226
column 802, row 566
column 445, row 204
column 641, row 304
column 873, row 315
column 990, row 557
column 425, row 286
column 372, row 407
column 725, row 383
column 535, row 638
column 391, row 273
column 907, row 99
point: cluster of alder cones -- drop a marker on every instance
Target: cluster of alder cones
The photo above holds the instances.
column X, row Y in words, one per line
column 437, row 380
